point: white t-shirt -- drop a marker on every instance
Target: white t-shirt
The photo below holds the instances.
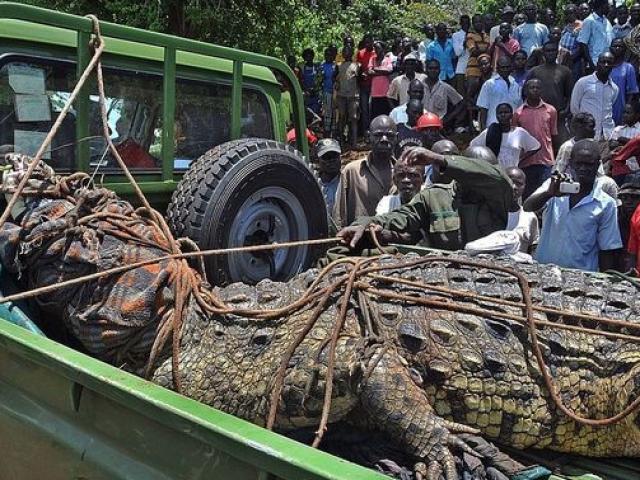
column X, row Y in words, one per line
column 387, row 203
column 525, row 224
column 459, row 48
column 513, row 143
column 494, row 33
column 626, row 131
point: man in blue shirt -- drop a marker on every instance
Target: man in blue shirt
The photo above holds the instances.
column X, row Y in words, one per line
column 531, row 34
column 596, row 34
column 441, row 49
column 579, row 230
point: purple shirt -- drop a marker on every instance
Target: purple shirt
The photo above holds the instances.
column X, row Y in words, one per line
column 624, row 76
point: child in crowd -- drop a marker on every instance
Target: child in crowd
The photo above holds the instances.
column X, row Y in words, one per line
column 347, row 95
column 380, row 68
column 310, row 79
column 630, row 126
column 407, row 180
column 625, row 148
column 329, row 71
column 582, row 126
column 408, row 135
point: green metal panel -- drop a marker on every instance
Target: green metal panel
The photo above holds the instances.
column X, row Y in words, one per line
column 27, row 31
column 82, row 418
column 236, row 99
column 24, row 30
column 168, row 112
column 82, row 104
column 222, row 65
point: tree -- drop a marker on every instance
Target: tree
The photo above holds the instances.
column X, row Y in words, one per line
column 272, row 27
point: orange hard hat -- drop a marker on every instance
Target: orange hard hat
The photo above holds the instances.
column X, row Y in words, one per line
column 428, row 120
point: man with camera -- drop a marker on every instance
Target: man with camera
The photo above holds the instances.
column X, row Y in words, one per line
column 580, row 221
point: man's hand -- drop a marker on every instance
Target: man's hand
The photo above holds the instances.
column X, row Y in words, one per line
column 352, row 234
column 554, row 186
column 422, row 157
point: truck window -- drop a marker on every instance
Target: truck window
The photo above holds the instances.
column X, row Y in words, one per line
column 256, row 115
column 203, row 118
column 134, row 116
column 32, row 94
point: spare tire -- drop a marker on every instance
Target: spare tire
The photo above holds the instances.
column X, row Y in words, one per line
column 249, row 192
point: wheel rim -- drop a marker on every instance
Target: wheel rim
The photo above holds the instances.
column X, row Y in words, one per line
column 270, row 215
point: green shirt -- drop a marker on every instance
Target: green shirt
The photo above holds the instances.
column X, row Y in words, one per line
column 472, row 201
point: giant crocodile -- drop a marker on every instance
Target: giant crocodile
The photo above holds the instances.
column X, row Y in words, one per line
column 425, row 375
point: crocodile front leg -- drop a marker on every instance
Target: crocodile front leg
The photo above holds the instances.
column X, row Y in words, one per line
column 393, row 402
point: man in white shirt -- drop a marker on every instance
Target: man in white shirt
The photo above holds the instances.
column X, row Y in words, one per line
column 398, row 92
column 408, row 180
column 460, row 49
column 523, row 224
column 429, row 34
column 501, row 88
column 595, row 94
column 416, row 92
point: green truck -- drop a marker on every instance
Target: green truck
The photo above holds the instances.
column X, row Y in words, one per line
column 170, row 101
column 202, row 128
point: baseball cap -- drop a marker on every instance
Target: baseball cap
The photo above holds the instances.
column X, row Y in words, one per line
column 327, row 145
column 508, row 9
column 411, row 56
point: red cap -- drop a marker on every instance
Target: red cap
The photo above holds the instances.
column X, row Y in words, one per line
column 428, row 120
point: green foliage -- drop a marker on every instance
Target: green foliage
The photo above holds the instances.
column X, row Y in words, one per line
column 417, row 14
column 272, row 27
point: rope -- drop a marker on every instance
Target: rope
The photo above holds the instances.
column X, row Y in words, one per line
column 175, row 256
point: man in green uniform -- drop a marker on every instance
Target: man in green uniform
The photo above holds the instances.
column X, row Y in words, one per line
column 469, row 199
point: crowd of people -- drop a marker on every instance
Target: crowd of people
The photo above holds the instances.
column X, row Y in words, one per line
column 551, row 114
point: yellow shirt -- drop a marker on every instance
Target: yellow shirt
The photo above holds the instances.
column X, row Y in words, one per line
column 480, row 40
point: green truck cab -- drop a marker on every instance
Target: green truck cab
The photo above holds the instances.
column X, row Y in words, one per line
column 200, row 126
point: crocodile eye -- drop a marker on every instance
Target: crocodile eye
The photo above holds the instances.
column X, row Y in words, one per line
column 411, row 343
column 262, row 337
column 412, row 336
column 218, row 332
